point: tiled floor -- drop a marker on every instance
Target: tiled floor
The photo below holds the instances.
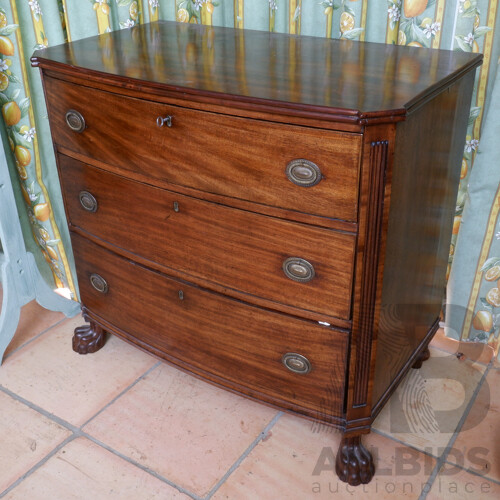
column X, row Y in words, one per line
column 118, row 424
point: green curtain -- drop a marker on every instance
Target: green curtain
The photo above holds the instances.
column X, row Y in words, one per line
column 467, row 25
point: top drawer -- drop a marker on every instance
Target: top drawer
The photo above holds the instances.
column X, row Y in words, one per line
column 226, row 155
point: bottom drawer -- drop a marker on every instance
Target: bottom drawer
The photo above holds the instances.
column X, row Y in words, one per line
column 227, row 341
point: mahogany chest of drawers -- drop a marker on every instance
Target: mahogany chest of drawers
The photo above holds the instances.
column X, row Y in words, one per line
column 269, row 212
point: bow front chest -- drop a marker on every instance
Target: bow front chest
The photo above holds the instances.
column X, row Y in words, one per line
column 269, row 212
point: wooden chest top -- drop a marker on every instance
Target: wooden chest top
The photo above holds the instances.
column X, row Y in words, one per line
column 340, row 79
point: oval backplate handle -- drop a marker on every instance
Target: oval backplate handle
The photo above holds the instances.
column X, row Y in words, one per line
column 298, row 269
column 88, row 201
column 75, row 121
column 303, row 173
column 296, row 363
column 99, row 283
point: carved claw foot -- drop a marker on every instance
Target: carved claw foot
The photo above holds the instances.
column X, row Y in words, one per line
column 423, row 356
column 88, row 338
column 354, row 464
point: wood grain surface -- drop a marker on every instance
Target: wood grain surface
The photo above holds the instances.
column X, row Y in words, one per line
column 423, row 195
column 346, row 79
column 215, row 334
column 217, row 244
column 234, row 157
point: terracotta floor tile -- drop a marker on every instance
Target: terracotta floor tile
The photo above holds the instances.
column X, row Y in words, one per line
column 478, row 444
column 82, row 471
column 74, row 387
column 34, row 320
column 453, row 483
column 25, row 438
column 426, row 408
column 474, row 351
column 297, row 462
column 184, row 429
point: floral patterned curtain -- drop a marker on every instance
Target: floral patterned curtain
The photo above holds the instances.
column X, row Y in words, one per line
column 466, row 25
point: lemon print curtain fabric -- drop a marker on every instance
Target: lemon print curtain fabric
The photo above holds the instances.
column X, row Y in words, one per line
column 463, row 25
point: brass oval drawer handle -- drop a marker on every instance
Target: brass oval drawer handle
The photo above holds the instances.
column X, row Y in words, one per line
column 296, row 363
column 303, row 173
column 99, row 283
column 160, row 121
column 88, row 201
column 298, row 269
column 75, row 121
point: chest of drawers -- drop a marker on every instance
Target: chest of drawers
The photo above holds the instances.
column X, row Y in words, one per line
column 269, row 212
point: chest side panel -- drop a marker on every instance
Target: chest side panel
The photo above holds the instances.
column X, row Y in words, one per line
column 424, row 189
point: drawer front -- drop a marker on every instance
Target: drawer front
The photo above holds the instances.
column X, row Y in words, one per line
column 236, row 157
column 234, row 248
column 213, row 334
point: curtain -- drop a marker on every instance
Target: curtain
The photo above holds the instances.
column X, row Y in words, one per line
column 473, row 312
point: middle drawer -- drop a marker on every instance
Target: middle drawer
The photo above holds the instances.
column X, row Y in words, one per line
column 284, row 262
